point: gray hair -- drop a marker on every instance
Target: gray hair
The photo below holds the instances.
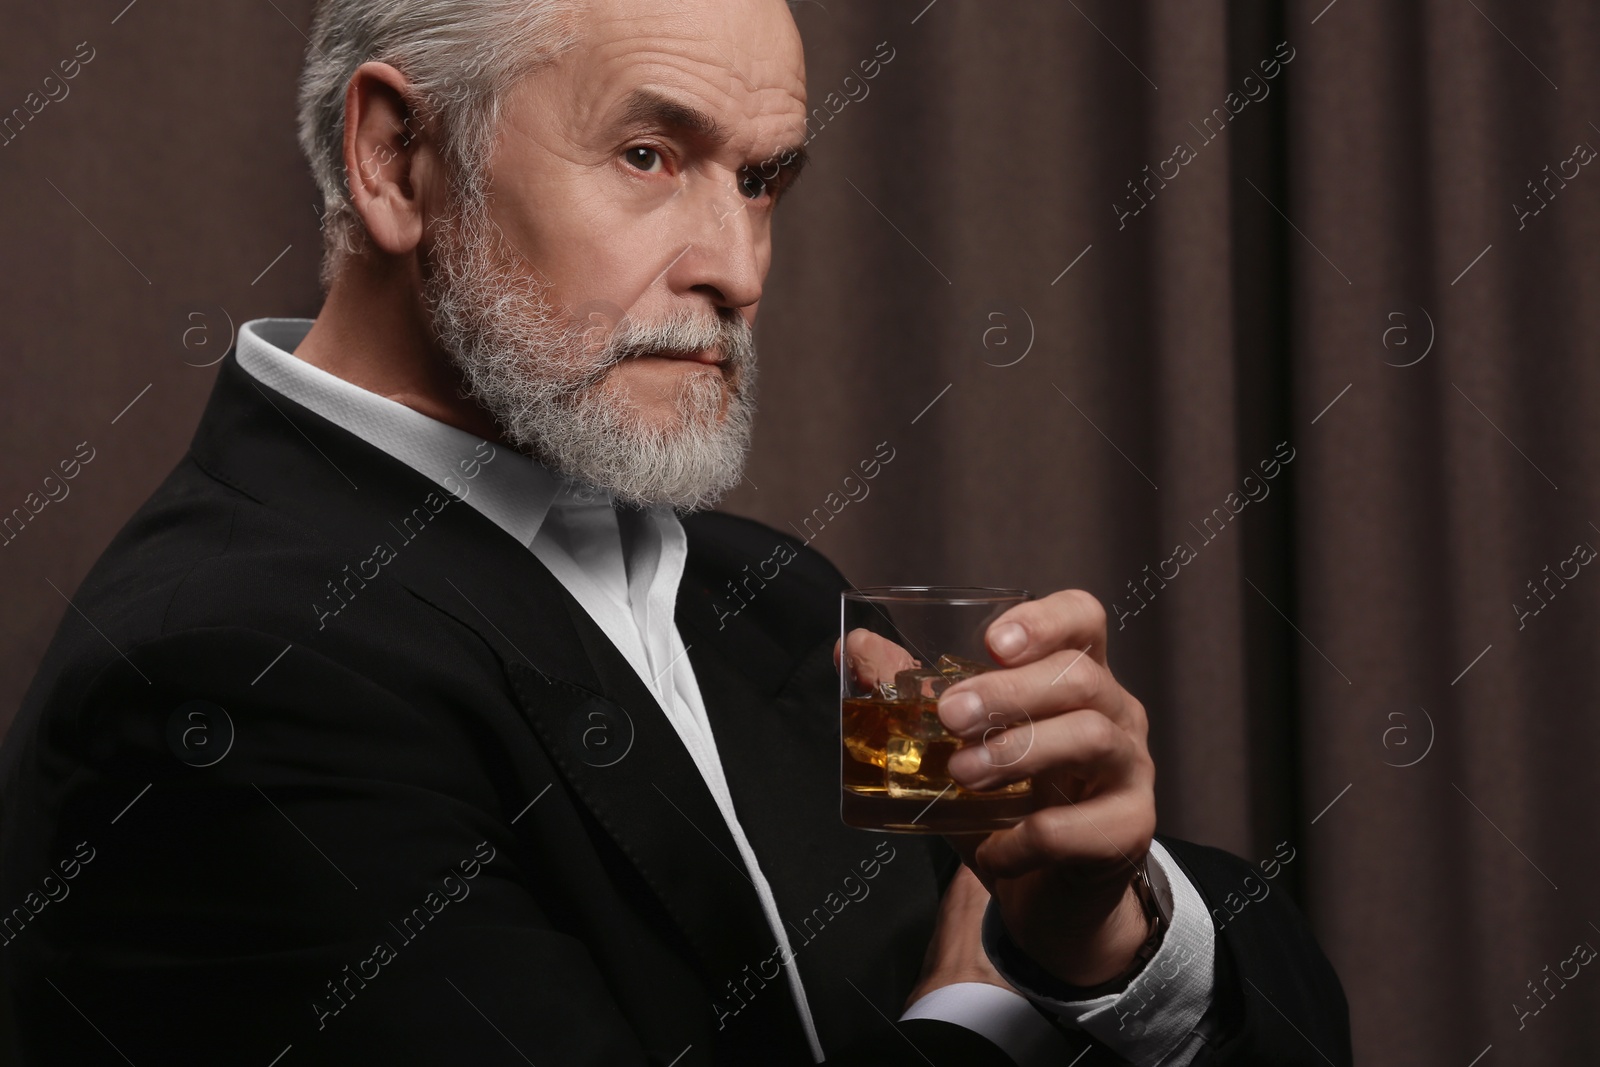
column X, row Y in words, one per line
column 460, row 56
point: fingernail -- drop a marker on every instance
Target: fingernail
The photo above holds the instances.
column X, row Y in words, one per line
column 1008, row 639
column 960, row 711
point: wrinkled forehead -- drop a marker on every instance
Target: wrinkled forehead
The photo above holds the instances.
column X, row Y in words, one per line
column 739, row 61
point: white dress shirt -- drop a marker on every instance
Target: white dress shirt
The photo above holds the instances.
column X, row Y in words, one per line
column 623, row 566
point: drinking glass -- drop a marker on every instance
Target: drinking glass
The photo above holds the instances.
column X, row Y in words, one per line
column 901, row 647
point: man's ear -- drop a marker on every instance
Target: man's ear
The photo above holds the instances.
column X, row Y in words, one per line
column 392, row 171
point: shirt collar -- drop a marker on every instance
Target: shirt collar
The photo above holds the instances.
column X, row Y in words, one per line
column 512, row 490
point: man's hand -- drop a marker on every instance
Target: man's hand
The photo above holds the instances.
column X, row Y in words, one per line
column 1062, row 876
column 956, row 952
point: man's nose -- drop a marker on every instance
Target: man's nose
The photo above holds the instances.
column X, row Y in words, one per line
column 727, row 257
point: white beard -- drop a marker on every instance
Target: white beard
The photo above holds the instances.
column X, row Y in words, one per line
column 543, row 373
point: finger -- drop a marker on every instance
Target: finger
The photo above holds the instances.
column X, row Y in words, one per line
column 1065, row 680
column 873, row 658
column 1069, row 618
column 1106, row 831
column 1084, row 744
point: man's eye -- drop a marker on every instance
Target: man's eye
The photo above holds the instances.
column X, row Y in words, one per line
column 752, row 184
column 644, row 158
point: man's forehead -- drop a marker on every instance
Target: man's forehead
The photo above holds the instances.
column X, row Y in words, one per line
column 738, row 60
column 758, row 27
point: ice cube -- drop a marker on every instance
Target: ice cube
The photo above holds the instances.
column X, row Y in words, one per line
column 906, row 768
column 921, row 726
column 861, row 750
column 885, row 691
column 903, row 755
column 921, row 683
column 958, row 667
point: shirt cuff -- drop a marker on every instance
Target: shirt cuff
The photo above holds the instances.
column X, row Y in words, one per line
column 1004, row 1018
column 1150, row 1021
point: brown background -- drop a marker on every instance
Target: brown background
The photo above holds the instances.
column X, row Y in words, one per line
column 1317, row 642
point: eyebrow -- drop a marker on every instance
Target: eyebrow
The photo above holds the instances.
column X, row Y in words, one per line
column 646, row 107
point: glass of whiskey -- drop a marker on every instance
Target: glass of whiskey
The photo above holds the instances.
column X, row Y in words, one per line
column 901, row 647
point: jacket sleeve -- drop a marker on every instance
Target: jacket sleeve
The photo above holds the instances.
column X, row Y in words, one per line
column 1277, row 999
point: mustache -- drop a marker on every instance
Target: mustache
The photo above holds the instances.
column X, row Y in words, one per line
column 679, row 335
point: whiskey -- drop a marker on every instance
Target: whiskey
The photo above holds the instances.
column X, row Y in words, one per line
column 895, row 767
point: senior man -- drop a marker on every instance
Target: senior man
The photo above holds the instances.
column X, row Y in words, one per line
column 402, row 725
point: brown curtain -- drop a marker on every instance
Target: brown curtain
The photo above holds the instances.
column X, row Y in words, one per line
column 1335, row 346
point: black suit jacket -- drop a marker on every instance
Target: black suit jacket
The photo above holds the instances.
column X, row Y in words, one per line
column 446, row 823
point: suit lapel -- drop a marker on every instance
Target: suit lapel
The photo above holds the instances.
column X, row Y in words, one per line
column 604, row 731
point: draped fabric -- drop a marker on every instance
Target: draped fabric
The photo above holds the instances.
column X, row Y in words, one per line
column 1265, row 324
